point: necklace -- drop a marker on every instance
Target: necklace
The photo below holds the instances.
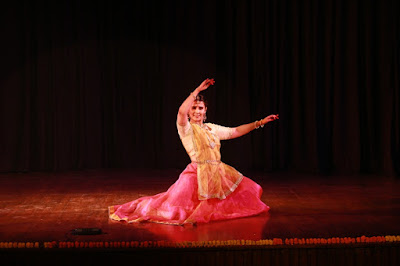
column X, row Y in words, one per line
column 211, row 143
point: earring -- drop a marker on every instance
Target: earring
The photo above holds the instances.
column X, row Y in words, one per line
column 205, row 118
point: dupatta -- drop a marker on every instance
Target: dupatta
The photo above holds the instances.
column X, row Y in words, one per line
column 215, row 179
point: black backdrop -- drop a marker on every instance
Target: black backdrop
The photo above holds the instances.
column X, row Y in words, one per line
column 98, row 84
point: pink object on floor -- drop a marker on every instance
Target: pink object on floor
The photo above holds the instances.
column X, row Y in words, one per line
column 180, row 203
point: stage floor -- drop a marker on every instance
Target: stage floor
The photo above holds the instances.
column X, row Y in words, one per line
column 47, row 206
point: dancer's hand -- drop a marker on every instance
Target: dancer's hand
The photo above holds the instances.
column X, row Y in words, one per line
column 205, row 84
column 270, row 118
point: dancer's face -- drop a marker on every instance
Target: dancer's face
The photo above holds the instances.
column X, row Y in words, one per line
column 197, row 112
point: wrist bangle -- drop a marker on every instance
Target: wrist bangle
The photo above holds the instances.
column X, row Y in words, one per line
column 259, row 125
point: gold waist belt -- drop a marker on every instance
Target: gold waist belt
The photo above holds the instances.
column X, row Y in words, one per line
column 207, row 161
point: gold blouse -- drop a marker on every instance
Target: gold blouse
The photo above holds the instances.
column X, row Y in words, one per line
column 202, row 143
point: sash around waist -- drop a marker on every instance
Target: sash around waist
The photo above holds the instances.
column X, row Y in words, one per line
column 207, row 161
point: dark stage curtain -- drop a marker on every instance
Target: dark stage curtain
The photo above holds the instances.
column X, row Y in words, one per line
column 98, row 84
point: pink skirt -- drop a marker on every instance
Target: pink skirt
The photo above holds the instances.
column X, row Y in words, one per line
column 180, row 204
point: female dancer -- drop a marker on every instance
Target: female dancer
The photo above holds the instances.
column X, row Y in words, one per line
column 207, row 190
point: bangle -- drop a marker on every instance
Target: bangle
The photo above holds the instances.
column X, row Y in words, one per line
column 260, row 125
